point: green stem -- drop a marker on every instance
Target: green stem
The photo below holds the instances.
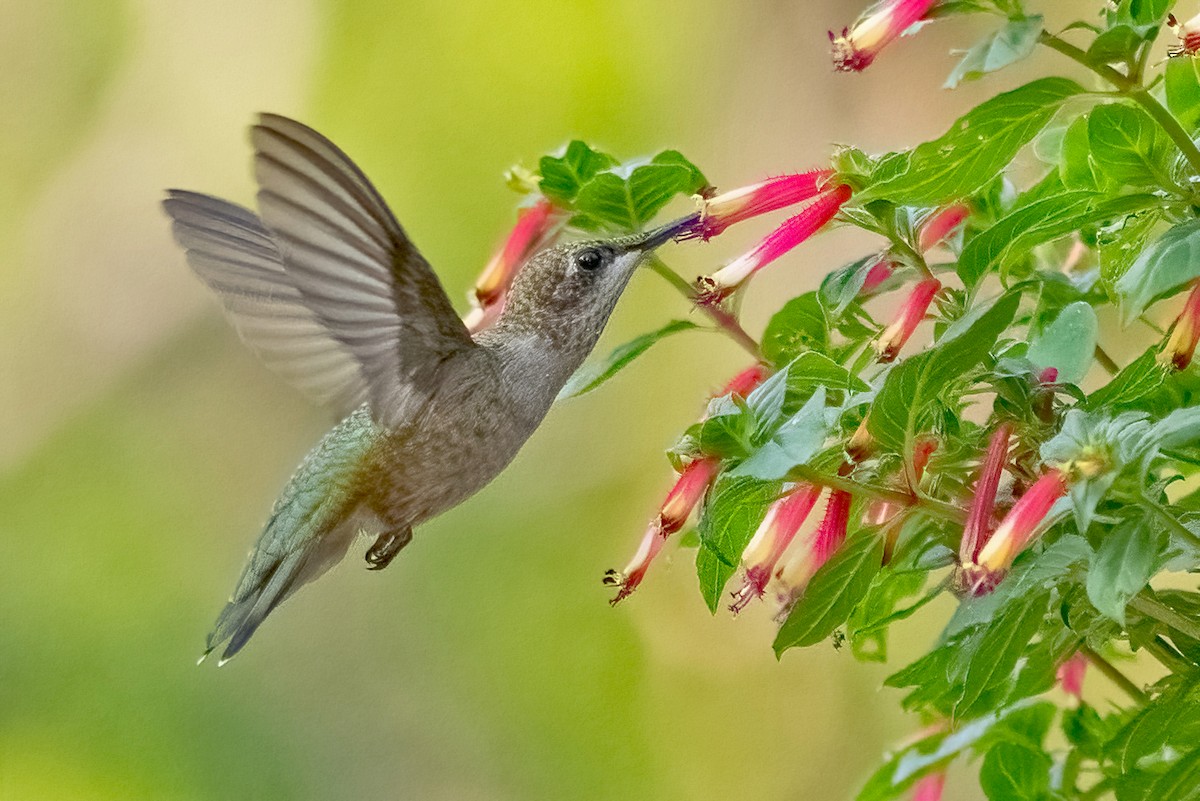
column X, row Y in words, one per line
column 1135, row 92
column 1115, row 676
column 724, row 320
column 1157, row 610
column 929, row 505
column 1110, row 366
column 1178, row 529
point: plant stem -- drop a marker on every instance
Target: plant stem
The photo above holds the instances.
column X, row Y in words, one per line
column 724, row 320
column 1157, row 610
column 1106, row 361
column 1135, row 92
column 1177, row 528
column 929, row 505
column 1115, row 676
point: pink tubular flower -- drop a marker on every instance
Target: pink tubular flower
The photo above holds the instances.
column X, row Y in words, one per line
column 983, row 497
column 941, row 225
column 744, row 382
column 1023, row 522
column 883, row 22
column 829, row 536
column 1070, row 675
column 536, row 227
column 1181, row 346
column 715, row 287
column 774, row 534
column 741, row 204
column 929, row 788
column 880, row 512
column 879, row 272
column 683, row 497
column 915, row 307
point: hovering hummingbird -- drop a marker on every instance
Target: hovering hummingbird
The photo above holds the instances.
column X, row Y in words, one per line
column 330, row 292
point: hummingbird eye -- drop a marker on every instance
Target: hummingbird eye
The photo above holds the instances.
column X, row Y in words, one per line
column 589, row 259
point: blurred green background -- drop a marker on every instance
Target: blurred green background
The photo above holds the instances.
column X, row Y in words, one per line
column 142, row 445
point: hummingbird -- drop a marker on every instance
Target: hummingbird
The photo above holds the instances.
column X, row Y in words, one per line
column 327, row 288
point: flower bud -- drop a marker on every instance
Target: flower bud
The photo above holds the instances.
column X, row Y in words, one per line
column 941, row 225
column 912, row 312
column 1023, row 522
column 983, row 496
column 719, row 285
column 1181, row 346
column 783, row 519
column 737, row 205
column 879, row 272
column 746, row 381
column 882, row 23
column 929, row 788
column 1070, row 675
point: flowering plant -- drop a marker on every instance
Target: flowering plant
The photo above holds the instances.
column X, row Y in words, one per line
column 851, row 476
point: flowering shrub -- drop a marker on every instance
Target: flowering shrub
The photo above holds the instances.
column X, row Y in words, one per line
column 849, row 475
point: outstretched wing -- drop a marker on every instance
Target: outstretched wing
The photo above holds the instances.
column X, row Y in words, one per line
column 231, row 251
column 353, row 265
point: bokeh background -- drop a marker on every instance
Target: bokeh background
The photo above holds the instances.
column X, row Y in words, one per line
column 142, row 445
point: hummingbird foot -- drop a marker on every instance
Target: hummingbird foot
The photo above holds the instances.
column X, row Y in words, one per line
column 386, row 546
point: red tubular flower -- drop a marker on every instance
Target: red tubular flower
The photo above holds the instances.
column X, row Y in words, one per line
column 1023, row 522
column 915, row 307
column 744, row 382
column 929, row 788
column 774, row 534
column 879, row 272
column 536, row 227
column 1189, row 36
column 1181, row 346
column 829, row 536
column 941, row 225
column 883, row 22
column 680, row 501
column 1070, row 675
column 983, row 498
column 732, row 207
column 715, row 287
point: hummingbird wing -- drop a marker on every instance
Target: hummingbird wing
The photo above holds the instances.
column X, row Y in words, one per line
column 354, row 266
column 230, row 250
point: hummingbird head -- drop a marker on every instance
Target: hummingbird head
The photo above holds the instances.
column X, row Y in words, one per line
column 566, row 293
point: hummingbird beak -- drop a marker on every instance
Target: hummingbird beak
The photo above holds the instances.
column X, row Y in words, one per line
column 659, row 236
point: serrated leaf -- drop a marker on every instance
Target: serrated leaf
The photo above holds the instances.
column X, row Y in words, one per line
column 1127, row 145
column 1010, row 44
column 986, row 660
column 954, row 165
column 868, row 623
column 1015, row 773
column 811, row 370
column 1039, row 222
column 1136, row 380
column 713, row 575
column 732, row 511
column 628, row 197
column 1183, row 92
column 1067, row 344
column 1118, row 246
column 916, row 381
column 564, row 174
column 833, row 593
column 792, row 444
column 1170, row 262
column 1121, row 567
column 798, row 327
column 593, row 375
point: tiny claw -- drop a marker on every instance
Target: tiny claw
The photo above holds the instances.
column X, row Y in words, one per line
column 386, row 546
column 611, row 578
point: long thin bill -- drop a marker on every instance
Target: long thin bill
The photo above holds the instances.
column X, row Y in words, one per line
column 663, row 234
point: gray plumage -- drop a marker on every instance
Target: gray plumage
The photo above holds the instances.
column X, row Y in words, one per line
column 329, row 291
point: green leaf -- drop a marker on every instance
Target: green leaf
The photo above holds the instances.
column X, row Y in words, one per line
column 833, row 593
column 732, row 511
column 1118, row 44
column 629, row 196
column 955, row 165
column 1121, row 567
column 1136, row 380
column 1127, row 145
column 1012, row 237
column 593, row 375
column 1010, row 44
column 1119, row 245
column 912, row 384
column 840, row 288
column 798, row 327
column 792, row 444
column 1149, row 12
column 1169, row 263
column 1067, row 344
column 986, row 660
column 1075, row 166
column 1015, row 773
column 1168, row 725
column 1183, row 92
column 564, row 174
column 713, row 575
column 812, row 370
column 868, row 623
